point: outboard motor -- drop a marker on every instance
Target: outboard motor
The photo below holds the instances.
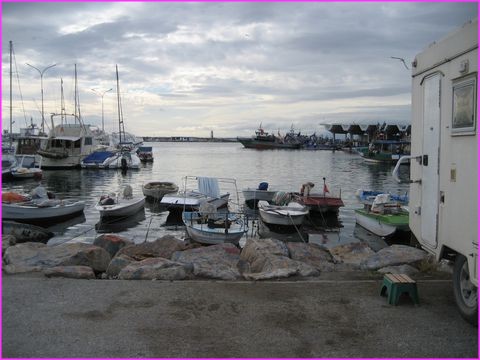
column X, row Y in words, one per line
column 124, row 164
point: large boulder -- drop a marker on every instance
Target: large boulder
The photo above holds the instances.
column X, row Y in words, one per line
column 112, row 243
column 214, row 262
column 353, row 253
column 311, row 254
column 117, row 264
column 7, row 241
column 276, row 267
column 40, row 256
column 163, row 247
column 255, row 248
column 72, row 272
column 268, row 259
column 154, row 269
column 394, row 255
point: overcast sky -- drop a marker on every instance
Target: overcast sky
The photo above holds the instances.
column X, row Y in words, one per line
column 190, row 68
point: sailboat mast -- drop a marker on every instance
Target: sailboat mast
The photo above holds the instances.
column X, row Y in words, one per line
column 11, row 50
column 120, row 120
column 62, row 102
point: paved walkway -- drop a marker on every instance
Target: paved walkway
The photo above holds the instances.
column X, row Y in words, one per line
column 338, row 316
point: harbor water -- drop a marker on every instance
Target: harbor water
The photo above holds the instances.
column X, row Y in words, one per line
column 284, row 170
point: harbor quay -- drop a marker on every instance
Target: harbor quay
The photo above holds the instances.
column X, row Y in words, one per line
column 270, row 299
column 335, row 315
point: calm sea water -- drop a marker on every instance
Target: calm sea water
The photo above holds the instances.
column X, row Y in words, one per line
column 283, row 169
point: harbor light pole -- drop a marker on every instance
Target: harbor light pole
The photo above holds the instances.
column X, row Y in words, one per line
column 41, row 72
column 102, row 94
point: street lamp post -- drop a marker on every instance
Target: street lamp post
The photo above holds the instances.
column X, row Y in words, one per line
column 102, row 94
column 41, row 72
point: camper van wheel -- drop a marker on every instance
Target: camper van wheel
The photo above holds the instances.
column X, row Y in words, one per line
column 464, row 291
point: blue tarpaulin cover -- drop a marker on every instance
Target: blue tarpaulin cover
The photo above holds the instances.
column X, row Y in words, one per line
column 98, row 157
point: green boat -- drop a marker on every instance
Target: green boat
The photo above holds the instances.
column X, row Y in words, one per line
column 385, row 223
column 385, row 151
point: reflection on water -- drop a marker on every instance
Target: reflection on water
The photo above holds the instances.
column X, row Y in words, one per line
column 119, row 225
column 282, row 169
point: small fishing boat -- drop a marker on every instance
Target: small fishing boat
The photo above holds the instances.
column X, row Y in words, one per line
column 114, row 206
column 28, row 167
column 383, row 217
column 155, row 190
column 190, row 200
column 25, row 232
column 252, row 196
column 35, row 211
column 385, row 151
column 145, row 153
column 214, row 228
column 320, row 202
column 211, row 226
column 291, row 214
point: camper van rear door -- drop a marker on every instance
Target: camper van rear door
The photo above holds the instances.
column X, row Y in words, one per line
column 431, row 144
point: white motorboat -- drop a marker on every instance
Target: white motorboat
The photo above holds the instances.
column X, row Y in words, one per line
column 99, row 159
column 287, row 215
column 214, row 228
column 190, row 200
column 252, row 196
column 116, row 206
column 42, row 211
column 156, row 190
column 124, row 160
column 28, row 167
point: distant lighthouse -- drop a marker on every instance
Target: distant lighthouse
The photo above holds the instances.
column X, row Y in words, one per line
column 211, row 134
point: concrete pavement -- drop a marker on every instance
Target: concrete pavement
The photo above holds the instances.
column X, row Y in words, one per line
column 336, row 315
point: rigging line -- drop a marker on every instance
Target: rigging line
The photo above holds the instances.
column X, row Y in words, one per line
column 295, row 226
column 19, row 87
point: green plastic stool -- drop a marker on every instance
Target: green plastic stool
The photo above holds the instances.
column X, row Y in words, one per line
column 397, row 284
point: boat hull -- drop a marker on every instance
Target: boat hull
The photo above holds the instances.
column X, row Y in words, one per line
column 204, row 234
column 290, row 215
column 382, row 225
column 125, row 208
column 266, row 145
column 33, row 214
column 156, row 190
column 192, row 201
column 320, row 203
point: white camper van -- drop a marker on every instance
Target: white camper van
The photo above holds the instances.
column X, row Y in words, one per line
column 444, row 160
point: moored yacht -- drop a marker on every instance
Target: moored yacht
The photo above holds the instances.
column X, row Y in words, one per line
column 67, row 145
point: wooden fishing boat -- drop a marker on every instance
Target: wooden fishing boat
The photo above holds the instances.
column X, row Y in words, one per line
column 320, row 202
column 155, row 190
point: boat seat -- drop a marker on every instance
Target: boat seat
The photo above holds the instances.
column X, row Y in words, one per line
column 394, row 285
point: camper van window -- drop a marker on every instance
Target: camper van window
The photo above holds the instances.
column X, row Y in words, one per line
column 464, row 111
column 88, row 141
